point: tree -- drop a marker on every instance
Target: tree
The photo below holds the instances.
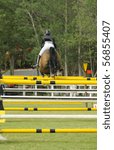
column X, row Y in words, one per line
column 72, row 24
column 85, row 29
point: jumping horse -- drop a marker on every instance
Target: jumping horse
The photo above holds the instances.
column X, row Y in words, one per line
column 50, row 63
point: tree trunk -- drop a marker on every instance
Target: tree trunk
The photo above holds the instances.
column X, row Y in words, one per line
column 12, row 65
column 79, row 67
column 34, row 28
column 66, row 70
column 66, row 22
column 91, row 64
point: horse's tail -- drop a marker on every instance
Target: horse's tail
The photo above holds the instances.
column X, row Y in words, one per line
column 53, row 58
column 54, row 61
column 52, row 52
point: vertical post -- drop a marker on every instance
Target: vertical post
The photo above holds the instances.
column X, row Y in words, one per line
column 35, row 93
column 66, row 22
column 52, row 93
column 2, row 111
column 1, row 89
column 79, row 67
column 24, row 93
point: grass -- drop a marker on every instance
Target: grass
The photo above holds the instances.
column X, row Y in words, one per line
column 49, row 141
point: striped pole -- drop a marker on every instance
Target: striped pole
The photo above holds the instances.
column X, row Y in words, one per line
column 60, row 116
column 48, row 82
column 49, row 109
column 48, row 78
column 75, row 130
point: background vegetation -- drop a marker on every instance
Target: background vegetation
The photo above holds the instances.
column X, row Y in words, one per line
column 71, row 22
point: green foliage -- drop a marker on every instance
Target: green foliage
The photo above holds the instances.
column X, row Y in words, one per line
column 72, row 23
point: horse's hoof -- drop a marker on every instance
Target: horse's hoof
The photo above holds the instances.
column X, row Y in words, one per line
column 42, row 74
column 61, row 69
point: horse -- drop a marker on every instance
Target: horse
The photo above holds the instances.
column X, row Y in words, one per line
column 50, row 63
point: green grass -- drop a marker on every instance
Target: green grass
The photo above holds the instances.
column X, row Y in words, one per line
column 49, row 141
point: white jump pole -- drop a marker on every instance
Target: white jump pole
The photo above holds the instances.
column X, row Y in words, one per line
column 25, row 116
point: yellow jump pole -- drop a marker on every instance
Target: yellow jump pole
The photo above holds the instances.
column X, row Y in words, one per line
column 75, row 130
column 47, row 82
column 39, row 102
column 49, row 109
column 49, row 78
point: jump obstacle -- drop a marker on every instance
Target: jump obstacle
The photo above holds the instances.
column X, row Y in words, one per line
column 53, row 93
column 49, row 78
column 20, row 101
column 49, row 97
column 49, row 109
column 43, row 116
column 48, row 82
column 49, row 90
column 91, row 130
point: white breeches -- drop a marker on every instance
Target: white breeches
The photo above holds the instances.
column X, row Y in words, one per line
column 46, row 46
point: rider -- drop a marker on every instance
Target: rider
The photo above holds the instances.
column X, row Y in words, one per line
column 47, row 42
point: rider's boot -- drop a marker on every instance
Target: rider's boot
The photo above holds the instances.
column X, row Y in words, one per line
column 37, row 63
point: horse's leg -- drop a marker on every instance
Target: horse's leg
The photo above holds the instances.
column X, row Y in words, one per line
column 60, row 72
column 37, row 70
column 39, row 73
